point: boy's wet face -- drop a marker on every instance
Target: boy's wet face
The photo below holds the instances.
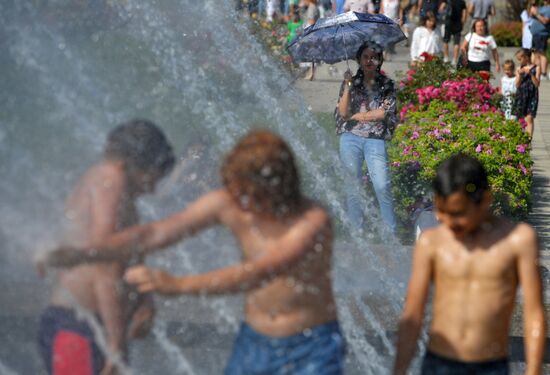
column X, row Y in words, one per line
column 460, row 214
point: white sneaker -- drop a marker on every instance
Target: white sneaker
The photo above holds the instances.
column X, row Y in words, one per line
column 544, row 77
column 446, row 59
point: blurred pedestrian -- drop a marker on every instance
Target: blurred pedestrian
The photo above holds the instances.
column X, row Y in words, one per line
column 527, row 82
column 426, row 39
column 425, row 6
column 310, row 16
column 526, row 36
column 454, row 19
column 478, row 46
column 508, row 89
column 482, row 9
column 540, row 28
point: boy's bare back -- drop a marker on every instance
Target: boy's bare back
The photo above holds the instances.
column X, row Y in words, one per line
column 96, row 208
column 475, row 284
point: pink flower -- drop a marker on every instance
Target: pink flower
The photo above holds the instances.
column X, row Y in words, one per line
column 479, row 148
column 524, row 170
column 522, row 148
column 407, row 150
column 414, row 135
column 396, row 164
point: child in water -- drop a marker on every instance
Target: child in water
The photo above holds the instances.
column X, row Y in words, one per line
column 286, row 242
column 476, row 262
column 136, row 157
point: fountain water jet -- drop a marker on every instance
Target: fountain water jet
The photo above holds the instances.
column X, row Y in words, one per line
column 71, row 74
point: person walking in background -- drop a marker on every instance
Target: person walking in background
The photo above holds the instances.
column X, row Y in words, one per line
column 479, row 47
column 410, row 18
column 540, row 28
column 455, row 14
column 482, row 9
column 476, row 262
column 527, row 83
column 392, row 10
column 359, row 6
column 137, row 155
column 311, row 15
column 508, row 89
column 365, row 117
column 425, row 6
column 293, row 25
column 526, row 36
column 426, row 39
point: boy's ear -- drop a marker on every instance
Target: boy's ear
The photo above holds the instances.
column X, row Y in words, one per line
column 486, row 199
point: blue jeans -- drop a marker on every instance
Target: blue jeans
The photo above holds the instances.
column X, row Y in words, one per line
column 354, row 150
column 319, row 352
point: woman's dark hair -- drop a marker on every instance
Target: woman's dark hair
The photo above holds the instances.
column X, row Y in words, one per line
column 461, row 173
column 428, row 16
column 142, row 146
column 476, row 20
column 373, row 47
column 261, row 175
column 360, row 75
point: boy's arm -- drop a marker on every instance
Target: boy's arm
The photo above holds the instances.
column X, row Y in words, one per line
column 533, row 309
column 413, row 312
column 244, row 276
column 142, row 239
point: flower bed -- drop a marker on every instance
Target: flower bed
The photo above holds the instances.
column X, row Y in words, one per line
column 456, row 114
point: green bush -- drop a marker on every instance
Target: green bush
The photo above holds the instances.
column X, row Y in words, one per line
column 507, row 34
column 429, row 136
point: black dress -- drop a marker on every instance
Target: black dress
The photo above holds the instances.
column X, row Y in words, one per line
column 527, row 95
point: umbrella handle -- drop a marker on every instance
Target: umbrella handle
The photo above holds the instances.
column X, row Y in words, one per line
column 345, row 50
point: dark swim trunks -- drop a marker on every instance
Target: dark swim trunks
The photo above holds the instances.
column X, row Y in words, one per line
column 318, row 351
column 434, row 364
column 67, row 344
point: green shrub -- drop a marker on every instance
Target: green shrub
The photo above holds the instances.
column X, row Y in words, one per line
column 507, row 34
column 440, row 130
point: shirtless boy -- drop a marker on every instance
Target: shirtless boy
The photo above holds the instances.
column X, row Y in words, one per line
column 476, row 262
column 286, row 243
column 136, row 156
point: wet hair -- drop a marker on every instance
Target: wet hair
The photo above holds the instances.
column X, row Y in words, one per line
column 428, row 16
column 461, row 173
column 509, row 63
column 142, row 146
column 524, row 52
column 261, row 175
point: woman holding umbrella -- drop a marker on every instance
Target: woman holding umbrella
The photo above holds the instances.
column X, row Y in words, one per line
column 365, row 118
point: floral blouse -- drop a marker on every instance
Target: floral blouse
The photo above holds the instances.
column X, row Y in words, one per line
column 381, row 95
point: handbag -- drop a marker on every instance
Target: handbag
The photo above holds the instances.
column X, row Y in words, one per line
column 462, row 61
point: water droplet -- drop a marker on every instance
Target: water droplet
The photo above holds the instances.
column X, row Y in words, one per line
column 266, row 171
column 307, row 332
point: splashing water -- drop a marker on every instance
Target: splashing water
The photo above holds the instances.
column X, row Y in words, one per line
column 71, row 72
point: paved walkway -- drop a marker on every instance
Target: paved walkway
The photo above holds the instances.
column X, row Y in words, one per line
column 321, row 95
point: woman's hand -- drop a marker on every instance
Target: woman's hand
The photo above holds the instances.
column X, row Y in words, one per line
column 359, row 116
column 347, row 77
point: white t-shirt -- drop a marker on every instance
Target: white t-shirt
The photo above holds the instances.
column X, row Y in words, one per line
column 508, row 85
column 359, row 6
column 391, row 9
column 480, row 47
column 424, row 40
column 527, row 37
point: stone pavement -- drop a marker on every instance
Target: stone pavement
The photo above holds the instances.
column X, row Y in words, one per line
column 321, row 95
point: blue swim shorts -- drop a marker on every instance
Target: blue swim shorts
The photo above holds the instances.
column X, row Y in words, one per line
column 317, row 351
column 434, row 364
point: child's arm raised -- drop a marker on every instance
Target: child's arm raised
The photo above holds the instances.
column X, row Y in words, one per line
column 244, row 276
column 413, row 312
column 533, row 309
column 143, row 239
